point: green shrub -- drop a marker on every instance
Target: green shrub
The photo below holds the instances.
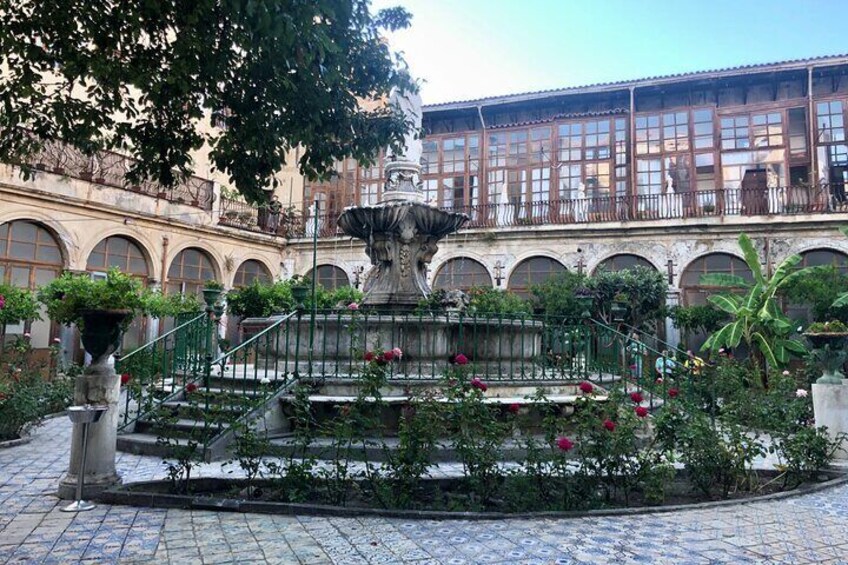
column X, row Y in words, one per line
column 16, row 305
column 68, row 296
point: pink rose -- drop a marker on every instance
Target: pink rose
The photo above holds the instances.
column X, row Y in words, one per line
column 565, row 444
column 460, row 359
column 353, row 306
column 398, row 352
column 479, row 384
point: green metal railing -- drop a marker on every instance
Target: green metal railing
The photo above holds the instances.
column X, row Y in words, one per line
column 161, row 367
column 278, row 351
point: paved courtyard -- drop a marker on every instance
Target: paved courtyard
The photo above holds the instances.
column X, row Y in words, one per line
column 807, row 529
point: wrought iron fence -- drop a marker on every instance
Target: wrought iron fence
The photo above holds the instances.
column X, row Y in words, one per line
column 109, row 169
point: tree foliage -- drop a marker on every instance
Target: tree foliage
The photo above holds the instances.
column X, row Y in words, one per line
column 138, row 77
column 757, row 318
column 819, row 290
column 642, row 289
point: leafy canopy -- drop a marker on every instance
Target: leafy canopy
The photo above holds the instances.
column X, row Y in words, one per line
column 138, row 77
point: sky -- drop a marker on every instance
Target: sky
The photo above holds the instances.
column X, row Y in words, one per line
column 466, row 49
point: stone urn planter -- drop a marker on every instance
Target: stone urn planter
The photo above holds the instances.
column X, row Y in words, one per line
column 830, row 350
column 101, row 333
column 830, row 391
column 211, row 294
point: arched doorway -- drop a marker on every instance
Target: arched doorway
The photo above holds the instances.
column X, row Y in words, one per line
column 462, row 273
column 330, row 277
column 533, row 271
column 126, row 255
column 30, row 257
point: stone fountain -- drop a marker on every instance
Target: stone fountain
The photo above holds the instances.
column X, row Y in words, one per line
column 401, row 233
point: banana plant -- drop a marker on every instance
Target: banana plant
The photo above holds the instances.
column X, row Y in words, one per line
column 757, row 319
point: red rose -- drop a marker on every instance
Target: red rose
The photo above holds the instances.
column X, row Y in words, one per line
column 586, row 387
column 514, row 407
column 460, row 359
column 609, row 425
column 125, row 378
column 641, row 411
column 564, row 444
column 190, row 387
column 673, row 392
column 369, row 356
column 477, row 383
column 637, row 397
column 388, row 355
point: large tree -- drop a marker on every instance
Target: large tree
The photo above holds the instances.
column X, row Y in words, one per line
column 137, row 76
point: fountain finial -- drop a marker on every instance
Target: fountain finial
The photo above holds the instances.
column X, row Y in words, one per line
column 401, row 233
column 403, row 169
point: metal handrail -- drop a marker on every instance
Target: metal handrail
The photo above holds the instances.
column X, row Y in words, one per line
column 253, row 338
column 161, row 337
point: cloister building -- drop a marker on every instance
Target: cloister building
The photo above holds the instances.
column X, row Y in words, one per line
column 663, row 172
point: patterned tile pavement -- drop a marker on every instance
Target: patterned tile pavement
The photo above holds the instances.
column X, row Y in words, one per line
column 807, row 529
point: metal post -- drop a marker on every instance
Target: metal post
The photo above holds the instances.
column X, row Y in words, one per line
column 85, row 415
column 312, row 310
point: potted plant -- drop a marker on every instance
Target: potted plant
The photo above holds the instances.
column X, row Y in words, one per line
column 619, row 307
column 102, row 309
column 829, row 340
column 212, row 291
column 585, row 299
column 300, row 287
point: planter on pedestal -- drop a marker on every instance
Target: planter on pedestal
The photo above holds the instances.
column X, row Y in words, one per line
column 830, row 353
column 98, row 385
column 211, row 295
column 830, row 391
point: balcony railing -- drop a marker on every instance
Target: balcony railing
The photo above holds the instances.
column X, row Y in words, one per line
column 783, row 201
column 260, row 219
column 109, row 169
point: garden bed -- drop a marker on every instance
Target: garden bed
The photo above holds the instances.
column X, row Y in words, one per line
column 435, row 498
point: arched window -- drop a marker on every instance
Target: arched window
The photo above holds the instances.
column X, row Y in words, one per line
column 623, row 261
column 533, row 271
column 823, row 257
column 30, row 257
column 189, row 271
column 120, row 252
column 695, row 292
column 330, row 277
column 250, row 271
column 462, row 273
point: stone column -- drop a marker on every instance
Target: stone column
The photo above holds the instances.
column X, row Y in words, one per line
column 672, row 334
column 98, row 385
column 830, row 408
